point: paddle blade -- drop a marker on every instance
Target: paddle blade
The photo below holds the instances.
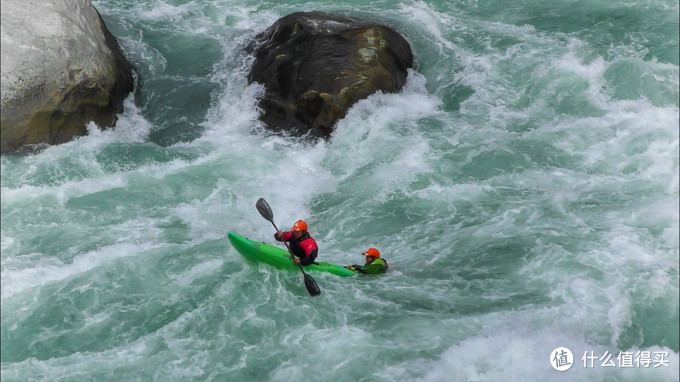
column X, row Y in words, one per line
column 264, row 209
column 311, row 285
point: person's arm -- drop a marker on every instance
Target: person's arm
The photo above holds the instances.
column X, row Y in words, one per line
column 282, row 236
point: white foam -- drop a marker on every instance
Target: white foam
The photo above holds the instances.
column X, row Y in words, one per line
column 434, row 22
column 593, row 270
column 131, row 127
column 20, row 276
column 96, row 183
column 523, row 355
column 163, row 11
column 383, row 130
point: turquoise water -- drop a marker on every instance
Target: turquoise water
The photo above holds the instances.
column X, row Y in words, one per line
column 523, row 187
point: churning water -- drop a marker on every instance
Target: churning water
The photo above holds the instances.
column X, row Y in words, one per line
column 523, row 187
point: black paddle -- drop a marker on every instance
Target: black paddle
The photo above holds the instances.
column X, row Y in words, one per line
column 266, row 212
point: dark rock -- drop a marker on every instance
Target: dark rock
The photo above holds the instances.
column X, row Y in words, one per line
column 315, row 66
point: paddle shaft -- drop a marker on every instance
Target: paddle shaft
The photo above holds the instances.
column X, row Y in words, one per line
column 287, row 247
column 266, row 212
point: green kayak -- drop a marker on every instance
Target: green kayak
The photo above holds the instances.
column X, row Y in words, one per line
column 279, row 257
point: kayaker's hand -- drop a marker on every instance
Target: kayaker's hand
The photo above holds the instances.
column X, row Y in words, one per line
column 350, row 267
column 277, row 235
column 297, row 261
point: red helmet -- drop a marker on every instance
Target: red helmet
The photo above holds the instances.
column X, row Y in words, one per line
column 300, row 225
column 373, row 252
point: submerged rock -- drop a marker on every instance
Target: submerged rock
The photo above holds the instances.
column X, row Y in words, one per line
column 61, row 69
column 315, row 66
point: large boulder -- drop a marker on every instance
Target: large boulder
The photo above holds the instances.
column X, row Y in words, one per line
column 61, row 68
column 315, row 66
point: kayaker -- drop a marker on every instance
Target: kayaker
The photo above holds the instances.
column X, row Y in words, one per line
column 375, row 265
column 302, row 245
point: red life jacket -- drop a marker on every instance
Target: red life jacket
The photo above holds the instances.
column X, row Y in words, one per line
column 305, row 247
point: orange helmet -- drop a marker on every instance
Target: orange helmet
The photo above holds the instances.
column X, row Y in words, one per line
column 372, row 252
column 300, row 225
